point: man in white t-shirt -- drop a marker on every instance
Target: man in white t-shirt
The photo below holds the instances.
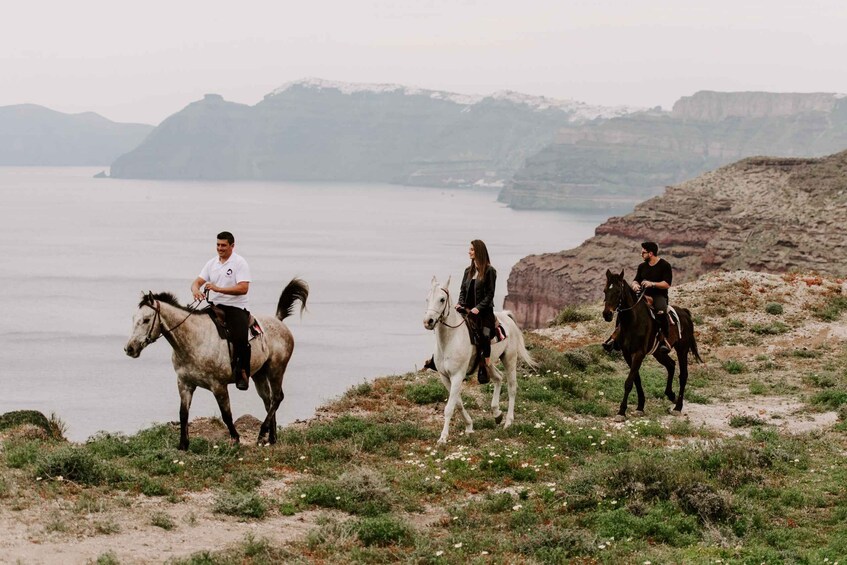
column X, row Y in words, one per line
column 227, row 278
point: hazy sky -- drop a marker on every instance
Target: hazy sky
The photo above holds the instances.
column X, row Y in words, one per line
column 143, row 61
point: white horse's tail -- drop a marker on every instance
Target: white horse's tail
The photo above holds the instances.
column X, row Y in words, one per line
column 523, row 354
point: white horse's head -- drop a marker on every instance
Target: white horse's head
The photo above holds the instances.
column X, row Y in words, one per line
column 438, row 303
column 146, row 326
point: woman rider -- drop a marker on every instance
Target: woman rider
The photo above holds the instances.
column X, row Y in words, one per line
column 477, row 298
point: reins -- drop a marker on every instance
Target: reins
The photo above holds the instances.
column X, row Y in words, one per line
column 446, row 307
column 156, row 306
column 623, row 292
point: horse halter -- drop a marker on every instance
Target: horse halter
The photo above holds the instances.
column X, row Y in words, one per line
column 157, row 315
column 157, row 309
column 440, row 319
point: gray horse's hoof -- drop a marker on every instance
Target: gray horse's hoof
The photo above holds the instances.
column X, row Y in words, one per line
column 498, row 419
column 638, row 413
column 620, row 418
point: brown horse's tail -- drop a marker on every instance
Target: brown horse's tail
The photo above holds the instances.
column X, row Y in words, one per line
column 693, row 339
column 297, row 289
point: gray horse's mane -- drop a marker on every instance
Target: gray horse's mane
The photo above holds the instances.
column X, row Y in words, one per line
column 166, row 297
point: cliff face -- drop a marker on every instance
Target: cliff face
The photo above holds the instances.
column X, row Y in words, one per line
column 760, row 214
column 626, row 159
column 708, row 106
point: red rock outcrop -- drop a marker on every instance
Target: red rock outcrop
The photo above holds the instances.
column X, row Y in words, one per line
column 760, row 214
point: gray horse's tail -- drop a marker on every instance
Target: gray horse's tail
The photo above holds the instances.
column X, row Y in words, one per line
column 297, row 289
column 522, row 351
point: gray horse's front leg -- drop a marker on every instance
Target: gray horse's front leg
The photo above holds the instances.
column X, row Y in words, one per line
column 222, row 396
column 186, row 393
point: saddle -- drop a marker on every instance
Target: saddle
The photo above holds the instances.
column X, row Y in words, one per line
column 217, row 315
column 673, row 321
column 495, row 334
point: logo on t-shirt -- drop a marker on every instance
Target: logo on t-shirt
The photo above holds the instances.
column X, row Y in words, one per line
column 228, row 272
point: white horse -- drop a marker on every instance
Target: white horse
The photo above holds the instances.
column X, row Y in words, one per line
column 201, row 358
column 455, row 354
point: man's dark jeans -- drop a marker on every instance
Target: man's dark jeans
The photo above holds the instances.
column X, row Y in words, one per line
column 237, row 320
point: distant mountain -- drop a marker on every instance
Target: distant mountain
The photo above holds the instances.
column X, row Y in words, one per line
column 34, row 135
column 633, row 157
column 321, row 130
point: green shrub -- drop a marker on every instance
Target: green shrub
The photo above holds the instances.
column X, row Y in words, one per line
column 243, row 504
column 571, row 314
column 734, row 367
column 359, row 491
column 773, row 308
column 383, row 531
column 554, row 544
column 831, row 398
column 74, row 464
column 831, row 310
column 31, row 417
column 774, row 328
column 745, row 421
column 430, row 392
column 162, row 520
column 20, row 455
column 108, row 558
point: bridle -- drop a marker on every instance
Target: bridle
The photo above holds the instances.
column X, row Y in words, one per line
column 620, row 300
column 440, row 319
column 157, row 315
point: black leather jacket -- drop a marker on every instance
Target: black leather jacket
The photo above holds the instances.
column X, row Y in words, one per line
column 483, row 298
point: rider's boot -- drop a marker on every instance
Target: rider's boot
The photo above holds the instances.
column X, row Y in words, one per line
column 662, row 320
column 430, row 364
column 242, row 376
column 242, row 380
column 612, row 344
column 482, row 372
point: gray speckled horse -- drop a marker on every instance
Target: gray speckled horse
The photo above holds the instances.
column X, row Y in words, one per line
column 201, row 358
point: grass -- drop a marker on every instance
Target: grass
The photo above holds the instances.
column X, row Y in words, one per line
column 562, row 484
column 831, row 309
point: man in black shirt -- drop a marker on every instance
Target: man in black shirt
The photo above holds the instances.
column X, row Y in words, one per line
column 655, row 276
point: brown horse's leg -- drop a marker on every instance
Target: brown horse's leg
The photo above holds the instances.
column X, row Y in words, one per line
column 186, row 393
column 682, row 355
column 670, row 365
column 634, row 367
column 222, row 396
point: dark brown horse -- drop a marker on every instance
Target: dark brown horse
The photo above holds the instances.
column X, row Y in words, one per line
column 637, row 337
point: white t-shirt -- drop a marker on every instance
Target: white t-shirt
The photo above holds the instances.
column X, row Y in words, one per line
column 230, row 273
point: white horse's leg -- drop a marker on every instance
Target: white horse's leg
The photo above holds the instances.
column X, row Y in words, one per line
column 510, row 363
column 454, row 398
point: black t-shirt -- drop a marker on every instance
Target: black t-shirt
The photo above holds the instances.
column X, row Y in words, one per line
column 659, row 272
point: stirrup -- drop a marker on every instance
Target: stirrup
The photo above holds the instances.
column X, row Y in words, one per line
column 482, row 373
column 242, row 380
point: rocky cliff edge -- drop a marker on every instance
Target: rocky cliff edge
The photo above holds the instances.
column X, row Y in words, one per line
column 760, row 214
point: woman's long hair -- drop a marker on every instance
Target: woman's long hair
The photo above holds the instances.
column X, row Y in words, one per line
column 480, row 252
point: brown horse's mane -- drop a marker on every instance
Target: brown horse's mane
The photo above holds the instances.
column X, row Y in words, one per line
column 166, row 297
